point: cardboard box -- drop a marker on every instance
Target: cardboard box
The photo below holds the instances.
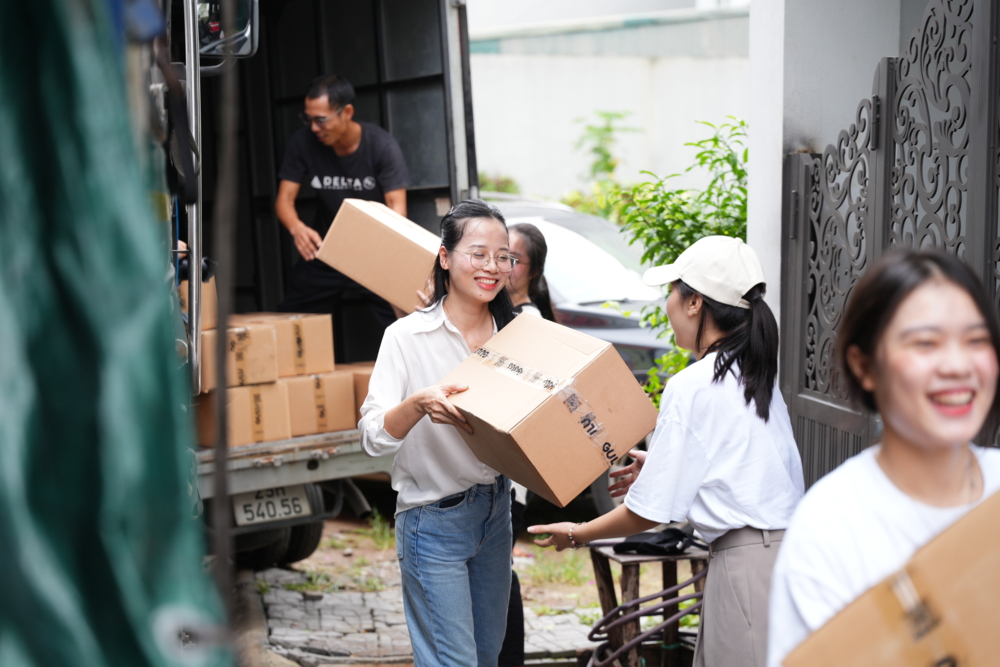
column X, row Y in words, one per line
column 940, row 609
column 381, row 250
column 362, row 372
column 253, row 356
column 321, row 403
column 305, row 340
column 256, row 413
column 209, row 303
column 204, row 419
column 552, row 408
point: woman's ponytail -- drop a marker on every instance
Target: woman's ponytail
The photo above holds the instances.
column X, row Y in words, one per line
column 540, row 297
column 749, row 338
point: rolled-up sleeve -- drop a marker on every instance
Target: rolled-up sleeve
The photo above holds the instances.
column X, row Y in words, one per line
column 386, row 389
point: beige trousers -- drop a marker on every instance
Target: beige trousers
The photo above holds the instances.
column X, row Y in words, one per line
column 733, row 631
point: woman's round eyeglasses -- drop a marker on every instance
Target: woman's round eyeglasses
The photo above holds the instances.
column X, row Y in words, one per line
column 480, row 260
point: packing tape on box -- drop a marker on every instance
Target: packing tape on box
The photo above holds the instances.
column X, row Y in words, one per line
column 564, row 391
column 300, row 352
column 257, row 413
column 319, row 396
column 511, row 368
column 920, row 618
column 239, row 340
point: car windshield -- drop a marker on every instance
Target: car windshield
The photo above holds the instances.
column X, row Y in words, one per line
column 578, row 271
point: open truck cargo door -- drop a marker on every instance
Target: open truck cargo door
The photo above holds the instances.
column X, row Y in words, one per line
column 408, row 62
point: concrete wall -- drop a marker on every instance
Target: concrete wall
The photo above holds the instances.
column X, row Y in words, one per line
column 503, row 14
column 526, row 108
column 718, row 33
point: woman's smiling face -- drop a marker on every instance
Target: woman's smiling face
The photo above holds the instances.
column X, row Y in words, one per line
column 935, row 370
column 486, row 235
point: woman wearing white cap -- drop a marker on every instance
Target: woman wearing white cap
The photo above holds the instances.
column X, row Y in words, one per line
column 722, row 455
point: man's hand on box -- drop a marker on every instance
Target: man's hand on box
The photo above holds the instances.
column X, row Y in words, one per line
column 627, row 474
column 433, row 402
column 307, row 241
column 558, row 535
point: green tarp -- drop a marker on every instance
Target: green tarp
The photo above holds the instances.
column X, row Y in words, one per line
column 100, row 561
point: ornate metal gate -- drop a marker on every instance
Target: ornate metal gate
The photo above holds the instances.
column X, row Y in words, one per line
column 918, row 167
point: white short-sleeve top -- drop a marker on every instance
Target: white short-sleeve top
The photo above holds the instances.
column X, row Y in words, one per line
column 714, row 462
column 852, row 530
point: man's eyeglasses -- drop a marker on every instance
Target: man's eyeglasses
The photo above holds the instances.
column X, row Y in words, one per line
column 480, row 260
column 308, row 120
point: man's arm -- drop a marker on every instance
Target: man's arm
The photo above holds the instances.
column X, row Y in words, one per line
column 307, row 240
column 396, row 200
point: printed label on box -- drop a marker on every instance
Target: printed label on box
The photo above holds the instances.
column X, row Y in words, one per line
column 319, row 396
column 257, row 413
column 300, row 352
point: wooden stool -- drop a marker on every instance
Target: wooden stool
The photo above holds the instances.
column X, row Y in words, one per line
column 601, row 554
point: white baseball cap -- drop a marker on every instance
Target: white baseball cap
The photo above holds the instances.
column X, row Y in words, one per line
column 719, row 267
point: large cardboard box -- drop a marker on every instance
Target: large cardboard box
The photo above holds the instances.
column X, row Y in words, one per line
column 362, row 372
column 382, row 250
column 209, row 303
column 941, row 609
column 255, row 413
column 321, row 403
column 305, row 340
column 253, row 356
column 552, row 408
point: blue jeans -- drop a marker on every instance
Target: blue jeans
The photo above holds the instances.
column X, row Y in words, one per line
column 455, row 563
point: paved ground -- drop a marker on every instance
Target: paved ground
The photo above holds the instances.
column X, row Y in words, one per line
column 314, row 629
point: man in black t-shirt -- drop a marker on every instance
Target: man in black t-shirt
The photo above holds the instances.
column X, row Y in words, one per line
column 340, row 158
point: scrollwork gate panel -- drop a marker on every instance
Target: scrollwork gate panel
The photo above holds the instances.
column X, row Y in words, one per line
column 919, row 166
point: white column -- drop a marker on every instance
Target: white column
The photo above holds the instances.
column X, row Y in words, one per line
column 767, row 62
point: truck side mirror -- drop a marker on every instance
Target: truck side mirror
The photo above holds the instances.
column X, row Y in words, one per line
column 243, row 42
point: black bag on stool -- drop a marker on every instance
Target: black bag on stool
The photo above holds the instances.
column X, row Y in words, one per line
column 669, row 542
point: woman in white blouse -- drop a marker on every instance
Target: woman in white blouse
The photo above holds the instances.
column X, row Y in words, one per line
column 453, row 525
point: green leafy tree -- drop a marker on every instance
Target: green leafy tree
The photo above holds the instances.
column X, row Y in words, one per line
column 665, row 220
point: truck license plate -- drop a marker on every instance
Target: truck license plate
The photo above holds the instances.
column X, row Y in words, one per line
column 282, row 502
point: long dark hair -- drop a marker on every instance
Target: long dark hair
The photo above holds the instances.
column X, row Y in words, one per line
column 749, row 339
column 877, row 297
column 452, row 230
column 537, row 249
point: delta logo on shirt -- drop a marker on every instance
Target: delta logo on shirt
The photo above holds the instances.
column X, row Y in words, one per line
column 342, row 183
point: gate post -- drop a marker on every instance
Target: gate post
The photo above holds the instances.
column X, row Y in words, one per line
column 883, row 95
column 981, row 250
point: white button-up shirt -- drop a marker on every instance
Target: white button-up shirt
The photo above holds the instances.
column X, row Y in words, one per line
column 432, row 460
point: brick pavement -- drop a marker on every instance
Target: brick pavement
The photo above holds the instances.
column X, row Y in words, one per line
column 346, row 627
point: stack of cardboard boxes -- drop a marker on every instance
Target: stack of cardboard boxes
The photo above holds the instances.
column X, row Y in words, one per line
column 280, row 382
column 552, row 408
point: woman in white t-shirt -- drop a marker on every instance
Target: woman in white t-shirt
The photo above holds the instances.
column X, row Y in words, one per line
column 920, row 343
column 722, row 455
